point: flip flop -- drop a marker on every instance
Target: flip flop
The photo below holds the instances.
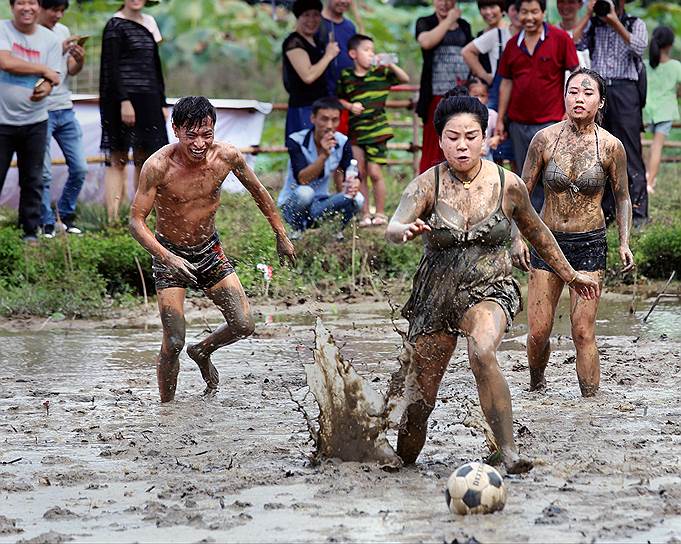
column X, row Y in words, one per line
column 365, row 222
column 380, row 219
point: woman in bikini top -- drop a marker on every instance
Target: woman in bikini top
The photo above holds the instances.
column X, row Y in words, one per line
column 576, row 158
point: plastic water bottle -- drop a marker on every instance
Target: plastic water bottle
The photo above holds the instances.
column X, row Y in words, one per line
column 351, row 172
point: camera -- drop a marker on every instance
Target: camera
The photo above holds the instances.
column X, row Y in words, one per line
column 603, row 7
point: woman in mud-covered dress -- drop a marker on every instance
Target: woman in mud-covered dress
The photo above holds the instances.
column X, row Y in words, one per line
column 132, row 97
column 464, row 207
column 576, row 159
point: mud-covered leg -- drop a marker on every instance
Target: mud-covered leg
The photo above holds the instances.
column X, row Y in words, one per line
column 171, row 307
column 484, row 325
column 229, row 297
column 543, row 292
column 583, row 319
column 429, row 359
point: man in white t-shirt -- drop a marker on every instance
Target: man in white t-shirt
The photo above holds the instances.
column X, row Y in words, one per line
column 30, row 64
column 491, row 43
column 62, row 124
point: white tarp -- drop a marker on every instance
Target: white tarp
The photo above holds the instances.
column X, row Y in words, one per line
column 239, row 122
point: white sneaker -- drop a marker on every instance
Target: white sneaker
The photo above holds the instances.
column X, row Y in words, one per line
column 48, row 231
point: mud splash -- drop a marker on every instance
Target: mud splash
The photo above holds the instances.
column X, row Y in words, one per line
column 352, row 415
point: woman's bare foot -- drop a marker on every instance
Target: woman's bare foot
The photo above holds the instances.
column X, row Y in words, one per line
column 537, row 379
column 209, row 373
column 515, row 464
column 588, row 389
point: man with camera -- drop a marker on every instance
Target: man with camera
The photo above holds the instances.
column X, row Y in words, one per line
column 616, row 42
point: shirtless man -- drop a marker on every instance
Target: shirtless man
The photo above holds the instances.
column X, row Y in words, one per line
column 182, row 183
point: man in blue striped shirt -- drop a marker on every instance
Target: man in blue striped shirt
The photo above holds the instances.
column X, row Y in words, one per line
column 616, row 42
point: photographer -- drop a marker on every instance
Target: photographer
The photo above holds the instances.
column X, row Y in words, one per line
column 616, row 42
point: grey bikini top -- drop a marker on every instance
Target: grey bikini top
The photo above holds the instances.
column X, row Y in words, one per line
column 493, row 231
column 589, row 183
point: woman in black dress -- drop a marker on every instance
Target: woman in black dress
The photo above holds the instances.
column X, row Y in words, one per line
column 304, row 64
column 464, row 208
column 131, row 97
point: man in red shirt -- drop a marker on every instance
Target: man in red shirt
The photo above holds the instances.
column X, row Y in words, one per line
column 533, row 68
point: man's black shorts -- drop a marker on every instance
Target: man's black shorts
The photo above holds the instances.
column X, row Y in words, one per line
column 208, row 258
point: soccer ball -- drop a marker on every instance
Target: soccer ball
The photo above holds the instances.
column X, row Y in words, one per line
column 475, row 488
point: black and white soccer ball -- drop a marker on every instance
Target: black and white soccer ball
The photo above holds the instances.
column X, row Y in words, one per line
column 475, row 488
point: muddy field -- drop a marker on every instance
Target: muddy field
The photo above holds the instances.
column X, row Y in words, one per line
column 88, row 454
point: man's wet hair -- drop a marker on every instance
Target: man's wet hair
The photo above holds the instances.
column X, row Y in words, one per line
column 542, row 4
column 190, row 111
column 457, row 102
column 54, row 4
column 353, row 43
column 600, row 84
column 485, row 3
column 326, row 103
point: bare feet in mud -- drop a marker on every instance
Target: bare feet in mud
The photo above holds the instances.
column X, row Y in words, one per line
column 588, row 390
column 515, row 464
column 209, row 373
column 537, row 380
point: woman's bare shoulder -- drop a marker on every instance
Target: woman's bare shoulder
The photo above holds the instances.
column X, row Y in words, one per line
column 609, row 143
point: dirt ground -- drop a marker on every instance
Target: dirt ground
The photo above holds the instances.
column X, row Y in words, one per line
column 88, row 454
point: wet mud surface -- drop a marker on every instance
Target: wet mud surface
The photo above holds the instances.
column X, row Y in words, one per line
column 88, row 454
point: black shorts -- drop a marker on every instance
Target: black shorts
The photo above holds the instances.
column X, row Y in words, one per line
column 210, row 261
column 585, row 251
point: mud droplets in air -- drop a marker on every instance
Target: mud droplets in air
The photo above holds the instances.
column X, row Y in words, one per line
column 352, row 416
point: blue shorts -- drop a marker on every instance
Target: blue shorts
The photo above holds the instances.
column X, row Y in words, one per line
column 664, row 127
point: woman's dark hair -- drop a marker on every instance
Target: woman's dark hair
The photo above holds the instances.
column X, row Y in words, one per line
column 40, row 3
column 189, row 112
column 301, row 6
column 54, row 4
column 475, row 81
column 485, row 3
column 542, row 4
column 663, row 36
column 600, row 83
column 457, row 102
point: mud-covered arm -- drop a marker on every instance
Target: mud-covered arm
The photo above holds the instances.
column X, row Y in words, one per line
column 533, row 168
column 620, row 187
column 264, row 202
column 140, row 209
column 406, row 222
column 532, row 172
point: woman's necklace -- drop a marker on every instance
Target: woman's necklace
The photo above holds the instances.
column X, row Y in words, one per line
column 466, row 183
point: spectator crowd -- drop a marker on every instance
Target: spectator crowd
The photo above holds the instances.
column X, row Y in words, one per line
column 336, row 128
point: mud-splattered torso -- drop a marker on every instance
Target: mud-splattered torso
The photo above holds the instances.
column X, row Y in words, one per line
column 461, row 267
column 574, row 178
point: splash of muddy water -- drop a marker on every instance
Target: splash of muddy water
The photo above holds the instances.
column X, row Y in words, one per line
column 352, row 415
column 354, row 418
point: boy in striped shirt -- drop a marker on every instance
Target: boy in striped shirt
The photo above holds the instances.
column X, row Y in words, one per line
column 363, row 90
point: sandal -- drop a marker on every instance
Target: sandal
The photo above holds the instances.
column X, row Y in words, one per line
column 365, row 222
column 380, row 219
